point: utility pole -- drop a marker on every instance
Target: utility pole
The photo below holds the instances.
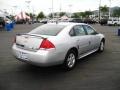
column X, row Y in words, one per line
column 52, row 10
column 60, row 7
column 99, row 12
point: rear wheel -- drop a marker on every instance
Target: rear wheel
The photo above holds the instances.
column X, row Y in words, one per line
column 115, row 24
column 70, row 60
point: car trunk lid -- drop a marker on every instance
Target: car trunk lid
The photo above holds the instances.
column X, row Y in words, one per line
column 29, row 41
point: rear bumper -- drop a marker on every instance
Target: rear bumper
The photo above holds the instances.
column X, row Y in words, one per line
column 39, row 58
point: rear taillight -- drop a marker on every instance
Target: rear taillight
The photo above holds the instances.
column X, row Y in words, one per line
column 46, row 44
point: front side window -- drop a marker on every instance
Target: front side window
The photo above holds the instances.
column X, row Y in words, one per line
column 79, row 30
column 90, row 30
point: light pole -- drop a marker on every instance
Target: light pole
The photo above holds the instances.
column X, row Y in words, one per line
column 15, row 7
column 110, row 9
column 60, row 7
column 70, row 5
column 5, row 10
column 50, row 13
column 28, row 2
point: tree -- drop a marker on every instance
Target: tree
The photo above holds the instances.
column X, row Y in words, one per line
column 50, row 15
column 76, row 15
column 27, row 14
column 87, row 13
column 82, row 14
column 31, row 15
column 62, row 14
column 41, row 15
column 104, row 9
column 116, row 12
column 56, row 14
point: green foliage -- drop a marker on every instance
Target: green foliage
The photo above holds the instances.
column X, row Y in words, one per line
column 62, row 14
column 27, row 14
column 11, row 17
column 87, row 13
column 82, row 14
column 31, row 15
column 50, row 15
column 76, row 15
column 104, row 9
column 41, row 15
column 116, row 12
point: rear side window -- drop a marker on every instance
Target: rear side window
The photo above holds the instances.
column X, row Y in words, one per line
column 48, row 29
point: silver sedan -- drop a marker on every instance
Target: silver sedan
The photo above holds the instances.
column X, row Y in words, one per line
column 61, row 43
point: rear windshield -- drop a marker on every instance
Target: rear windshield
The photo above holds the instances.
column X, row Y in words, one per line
column 48, row 29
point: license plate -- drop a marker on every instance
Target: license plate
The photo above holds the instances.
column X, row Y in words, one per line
column 23, row 55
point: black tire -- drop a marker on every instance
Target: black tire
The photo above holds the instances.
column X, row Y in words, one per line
column 101, row 47
column 70, row 60
column 115, row 24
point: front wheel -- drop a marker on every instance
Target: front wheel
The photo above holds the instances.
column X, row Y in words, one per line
column 101, row 47
column 70, row 60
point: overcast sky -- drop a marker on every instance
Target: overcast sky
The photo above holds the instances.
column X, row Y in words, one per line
column 15, row 6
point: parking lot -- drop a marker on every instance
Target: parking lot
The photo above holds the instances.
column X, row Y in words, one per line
column 99, row 71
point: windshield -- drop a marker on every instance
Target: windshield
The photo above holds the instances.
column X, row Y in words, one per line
column 48, row 29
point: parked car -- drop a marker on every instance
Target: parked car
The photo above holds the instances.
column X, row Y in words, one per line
column 36, row 21
column 53, row 21
column 89, row 21
column 76, row 20
column 21, row 21
column 2, row 22
column 114, row 21
column 44, row 21
column 103, row 21
column 53, row 44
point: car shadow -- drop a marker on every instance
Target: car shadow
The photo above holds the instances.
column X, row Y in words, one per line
column 88, row 58
column 55, row 71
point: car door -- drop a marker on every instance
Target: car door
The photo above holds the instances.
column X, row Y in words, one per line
column 93, row 36
column 81, row 38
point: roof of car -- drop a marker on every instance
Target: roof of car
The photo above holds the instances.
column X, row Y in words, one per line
column 67, row 23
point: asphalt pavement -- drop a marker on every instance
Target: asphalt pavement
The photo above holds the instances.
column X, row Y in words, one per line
column 98, row 71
